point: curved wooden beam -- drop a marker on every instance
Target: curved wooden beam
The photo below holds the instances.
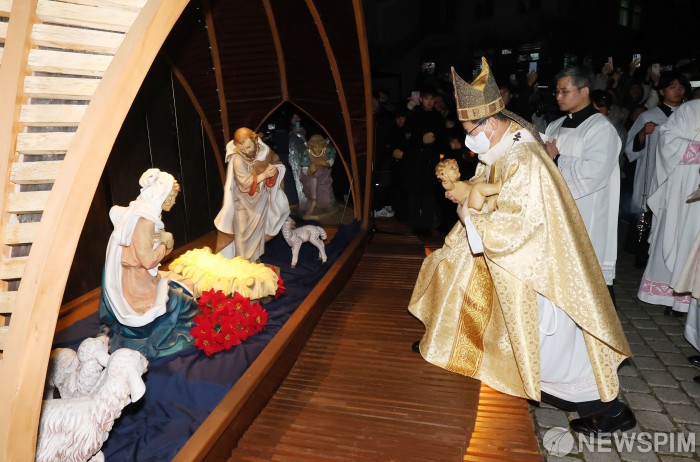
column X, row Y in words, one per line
column 209, row 20
column 281, row 64
column 369, row 115
column 23, row 369
column 341, row 97
column 203, row 117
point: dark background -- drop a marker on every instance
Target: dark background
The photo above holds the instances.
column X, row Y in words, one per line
column 402, row 34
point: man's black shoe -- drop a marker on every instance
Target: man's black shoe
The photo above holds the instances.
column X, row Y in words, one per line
column 671, row 312
column 599, row 424
column 694, row 360
column 416, row 346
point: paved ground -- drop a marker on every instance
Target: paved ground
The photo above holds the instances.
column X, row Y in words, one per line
column 657, row 383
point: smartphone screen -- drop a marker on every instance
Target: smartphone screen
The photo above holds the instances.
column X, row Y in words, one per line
column 533, row 66
column 637, row 59
column 610, row 61
column 655, row 68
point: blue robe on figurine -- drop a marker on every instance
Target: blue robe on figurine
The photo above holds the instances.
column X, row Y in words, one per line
column 139, row 308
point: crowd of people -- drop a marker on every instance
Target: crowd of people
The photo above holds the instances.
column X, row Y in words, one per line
column 620, row 148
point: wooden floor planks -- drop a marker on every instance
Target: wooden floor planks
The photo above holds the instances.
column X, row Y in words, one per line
column 358, row 393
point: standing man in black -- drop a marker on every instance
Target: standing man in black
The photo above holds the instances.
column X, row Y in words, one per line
column 427, row 141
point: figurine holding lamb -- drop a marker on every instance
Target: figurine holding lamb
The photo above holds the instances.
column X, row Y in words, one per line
column 476, row 190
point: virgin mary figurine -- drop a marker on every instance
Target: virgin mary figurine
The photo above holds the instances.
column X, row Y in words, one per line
column 139, row 308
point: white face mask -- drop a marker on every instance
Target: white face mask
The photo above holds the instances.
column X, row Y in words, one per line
column 479, row 144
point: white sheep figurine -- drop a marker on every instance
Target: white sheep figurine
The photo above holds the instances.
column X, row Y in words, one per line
column 76, row 374
column 297, row 236
column 74, row 429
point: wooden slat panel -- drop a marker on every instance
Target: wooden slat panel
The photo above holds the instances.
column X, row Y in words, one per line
column 20, row 233
column 60, row 87
column 5, row 7
column 60, row 62
column 3, row 31
column 27, row 202
column 130, row 5
column 7, row 302
column 13, row 268
column 44, row 143
column 53, row 115
column 49, row 35
column 35, row 172
column 103, row 18
column 3, row 336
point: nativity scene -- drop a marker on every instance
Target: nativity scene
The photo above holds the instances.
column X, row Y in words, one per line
column 181, row 275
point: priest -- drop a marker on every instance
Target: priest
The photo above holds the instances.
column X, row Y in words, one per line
column 676, row 221
column 585, row 147
column 516, row 297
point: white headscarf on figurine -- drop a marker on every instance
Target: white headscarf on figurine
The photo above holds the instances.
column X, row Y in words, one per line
column 155, row 188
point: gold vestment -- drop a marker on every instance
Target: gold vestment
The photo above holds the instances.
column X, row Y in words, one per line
column 480, row 311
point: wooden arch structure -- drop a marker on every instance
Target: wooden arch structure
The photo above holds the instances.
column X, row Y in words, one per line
column 69, row 71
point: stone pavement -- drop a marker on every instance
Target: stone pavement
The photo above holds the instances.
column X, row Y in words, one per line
column 657, row 384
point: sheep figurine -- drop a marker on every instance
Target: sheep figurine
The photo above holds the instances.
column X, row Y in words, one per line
column 74, row 429
column 297, row 236
column 76, row 374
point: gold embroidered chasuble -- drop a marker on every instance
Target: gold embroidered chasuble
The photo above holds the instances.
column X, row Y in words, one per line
column 480, row 311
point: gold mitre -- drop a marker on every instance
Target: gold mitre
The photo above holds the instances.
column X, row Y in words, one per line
column 481, row 98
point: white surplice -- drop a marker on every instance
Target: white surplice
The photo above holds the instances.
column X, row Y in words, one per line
column 645, row 169
column 677, row 224
column 590, row 167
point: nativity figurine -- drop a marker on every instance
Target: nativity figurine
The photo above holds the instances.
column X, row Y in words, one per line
column 316, row 176
column 295, row 237
column 139, row 308
column 476, row 191
column 73, row 429
column 254, row 205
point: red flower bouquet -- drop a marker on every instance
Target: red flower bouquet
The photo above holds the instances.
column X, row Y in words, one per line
column 224, row 321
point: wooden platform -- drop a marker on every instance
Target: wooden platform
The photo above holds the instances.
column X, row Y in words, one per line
column 359, row 393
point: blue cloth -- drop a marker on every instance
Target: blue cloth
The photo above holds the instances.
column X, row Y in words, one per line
column 184, row 388
column 167, row 334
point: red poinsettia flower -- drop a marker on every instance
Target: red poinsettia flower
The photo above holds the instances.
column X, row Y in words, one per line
column 226, row 321
column 211, row 298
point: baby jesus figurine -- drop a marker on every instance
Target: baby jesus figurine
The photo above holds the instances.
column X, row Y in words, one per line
column 476, row 189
